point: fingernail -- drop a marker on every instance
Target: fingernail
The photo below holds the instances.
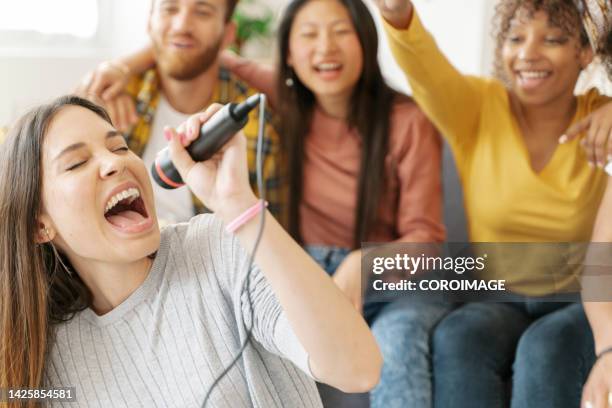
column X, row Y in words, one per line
column 167, row 134
column 563, row 139
column 183, row 138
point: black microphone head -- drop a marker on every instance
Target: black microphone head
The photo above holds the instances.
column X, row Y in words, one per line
column 164, row 173
column 241, row 111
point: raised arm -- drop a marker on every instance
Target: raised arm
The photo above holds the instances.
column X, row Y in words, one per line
column 398, row 13
column 257, row 75
column 341, row 349
column 451, row 100
column 108, row 82
column 110, row 78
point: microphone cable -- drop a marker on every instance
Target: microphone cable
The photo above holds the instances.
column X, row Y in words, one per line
column 246, row 286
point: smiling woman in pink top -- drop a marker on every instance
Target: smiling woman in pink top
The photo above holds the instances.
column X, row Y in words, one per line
column 363, row 166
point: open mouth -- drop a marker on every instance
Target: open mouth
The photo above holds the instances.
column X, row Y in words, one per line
column 328, row 68
column 182, row 45
column 126, row 209
column 531, row 78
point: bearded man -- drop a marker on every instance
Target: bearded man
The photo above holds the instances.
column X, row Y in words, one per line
column 187, row 37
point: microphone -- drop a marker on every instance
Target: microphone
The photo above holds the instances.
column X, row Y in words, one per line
column 214, row 134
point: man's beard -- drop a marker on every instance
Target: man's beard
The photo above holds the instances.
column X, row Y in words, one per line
column 185, row 67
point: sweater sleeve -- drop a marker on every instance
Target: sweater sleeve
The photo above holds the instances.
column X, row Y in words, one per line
column 451, row 100
column 419, row 215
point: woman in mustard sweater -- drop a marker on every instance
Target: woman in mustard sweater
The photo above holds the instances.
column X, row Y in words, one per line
column 520, row 185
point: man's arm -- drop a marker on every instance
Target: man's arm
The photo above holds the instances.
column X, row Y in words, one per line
column 596, row 392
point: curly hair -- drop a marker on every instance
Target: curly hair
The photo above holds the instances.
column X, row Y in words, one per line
column 561, row 13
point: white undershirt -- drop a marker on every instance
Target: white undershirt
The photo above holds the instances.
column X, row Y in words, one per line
column 171, row 205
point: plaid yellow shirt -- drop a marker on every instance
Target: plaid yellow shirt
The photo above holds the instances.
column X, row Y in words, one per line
column 146, row 92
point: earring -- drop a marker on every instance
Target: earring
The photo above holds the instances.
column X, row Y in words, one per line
column 289, row 81
column 58, row 258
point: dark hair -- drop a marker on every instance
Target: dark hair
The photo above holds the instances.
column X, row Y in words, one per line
column 561, row 13
column 231, row 7
column 606, row 54
column 370, row 110
column 35, row 289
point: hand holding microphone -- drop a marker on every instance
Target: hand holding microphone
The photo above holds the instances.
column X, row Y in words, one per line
column 207, row 138
column 211, row 160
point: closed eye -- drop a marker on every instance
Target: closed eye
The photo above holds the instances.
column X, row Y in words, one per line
column 204, row 13
column 122, row 149
column 169, row 9
column 76, row 165
column 343, row 31
column 556, row 40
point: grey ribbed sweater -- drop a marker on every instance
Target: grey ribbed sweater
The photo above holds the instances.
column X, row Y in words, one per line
column 165, row 344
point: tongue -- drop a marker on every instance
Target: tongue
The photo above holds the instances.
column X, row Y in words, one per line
column 530, row 83
column 125, row 219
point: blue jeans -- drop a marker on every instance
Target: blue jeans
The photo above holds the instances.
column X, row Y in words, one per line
column 403, row 331
column 526, row 354
column 328, row 257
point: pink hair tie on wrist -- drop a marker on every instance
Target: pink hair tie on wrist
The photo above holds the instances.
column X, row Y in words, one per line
column 246, row 216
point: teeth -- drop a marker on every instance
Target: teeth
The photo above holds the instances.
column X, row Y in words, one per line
column 130, row 192
column 534, row 74
column 328, row 66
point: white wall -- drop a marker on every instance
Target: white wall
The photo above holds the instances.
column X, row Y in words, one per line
column 461, row 29
column 27, row 77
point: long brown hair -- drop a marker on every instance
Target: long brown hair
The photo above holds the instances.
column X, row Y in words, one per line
column 36, row 290
column 606, row 54
column 370, row 112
